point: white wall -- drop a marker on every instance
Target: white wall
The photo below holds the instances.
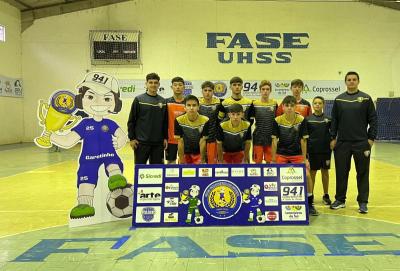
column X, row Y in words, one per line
column 343, row 36
column 11, row 109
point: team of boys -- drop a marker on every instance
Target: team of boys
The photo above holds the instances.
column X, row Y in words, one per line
column 210, row 130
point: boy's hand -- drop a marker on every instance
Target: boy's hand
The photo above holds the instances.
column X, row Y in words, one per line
column 165, row 144
column 333, row 144
column 134, row 144
column 370, row 142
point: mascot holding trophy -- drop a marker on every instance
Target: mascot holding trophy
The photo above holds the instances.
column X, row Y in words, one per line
column 98, row 96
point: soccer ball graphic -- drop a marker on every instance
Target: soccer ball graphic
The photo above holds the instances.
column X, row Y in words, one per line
column 260, row 219
column 199, row 219
column 120, row 202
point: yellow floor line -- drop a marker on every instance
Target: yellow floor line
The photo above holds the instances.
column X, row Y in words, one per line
column 365, row 217
column 14, row 234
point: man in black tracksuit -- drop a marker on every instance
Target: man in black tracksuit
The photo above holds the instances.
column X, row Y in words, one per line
column 352, row 112
column 147, row 124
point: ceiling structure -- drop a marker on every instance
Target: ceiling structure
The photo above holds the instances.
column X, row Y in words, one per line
column 36, row 9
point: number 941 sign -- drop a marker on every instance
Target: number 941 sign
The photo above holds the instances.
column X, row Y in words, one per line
column 292, row 193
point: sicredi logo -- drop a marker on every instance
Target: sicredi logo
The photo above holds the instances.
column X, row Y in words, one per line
column 171, row 202
column 221, row 172
column 291, row 175
column 205, row 172
column 172, row 172
column 170, row 217
column 270, row 172
column 149, row 195
column 271, row 201
column 148, row 214
column 171, row 187
column 270, row 186
column 293, row 212
column 150, row 176
column 237, row 172
column 254, row 172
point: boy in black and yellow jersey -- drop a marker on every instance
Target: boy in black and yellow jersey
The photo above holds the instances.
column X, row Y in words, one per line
column 236, row 86
column 190, row 131
column 318, row 148
column 263, row 111
column 234, row 137
column 289, row 142
column 209, row 107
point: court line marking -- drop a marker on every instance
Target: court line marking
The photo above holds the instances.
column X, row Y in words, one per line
column 31, row 170
column 368, row 218
column 45, row 228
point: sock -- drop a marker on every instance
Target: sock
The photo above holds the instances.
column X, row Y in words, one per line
column 85, row 199
column 114, row 172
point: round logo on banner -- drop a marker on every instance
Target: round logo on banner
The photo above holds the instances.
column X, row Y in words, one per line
column 63, row 101
column 222, row 199
column 220, row 89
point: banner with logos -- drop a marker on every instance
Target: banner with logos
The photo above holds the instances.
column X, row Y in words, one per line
column 11, row 87
column 213, row 195
column 328, row 89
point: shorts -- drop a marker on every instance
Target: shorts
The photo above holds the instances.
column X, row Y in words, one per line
column 233, row 157
column 88, row 172
column 319, row 160
column 261, row 153
column 192, row 159
column 212, row 154
column 171, row 153
column 292, row 159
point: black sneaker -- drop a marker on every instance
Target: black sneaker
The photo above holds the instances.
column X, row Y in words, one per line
column 363, row 208
column 326, row 200
column 337, row 205
column 312, row 211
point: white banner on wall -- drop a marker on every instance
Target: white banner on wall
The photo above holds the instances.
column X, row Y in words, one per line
column 11, row 87
column 328, row 89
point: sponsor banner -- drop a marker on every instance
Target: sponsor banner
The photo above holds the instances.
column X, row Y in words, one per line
column 253, row 172
column 328, row 89
column 292, row 193
column 171, row 217
column 172, row 172
column 149, row 195
column 172, row 187
column 11, row 87
column 188, row 172
column 171, row 202
column 221, row 172
column 272, row 215
column 205, row 172
column 271, row 186
column 237, row 172
column 291, row 175
column 150, row 176
column 271, row 201
column 296, row 212
column 219, row 195
column 270, row 172
column 148, row 214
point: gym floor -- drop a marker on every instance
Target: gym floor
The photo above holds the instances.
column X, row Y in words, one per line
column 38, row 188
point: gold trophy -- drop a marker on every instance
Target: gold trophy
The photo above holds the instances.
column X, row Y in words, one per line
column 246, row 194
column 184, row 196
column 59, row 111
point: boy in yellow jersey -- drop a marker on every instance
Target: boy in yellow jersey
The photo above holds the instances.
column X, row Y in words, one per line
column 263, row 111
column 190, row 131
column 209, row 107
column 236, row 86
column 234, row 137
column 289, row 143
